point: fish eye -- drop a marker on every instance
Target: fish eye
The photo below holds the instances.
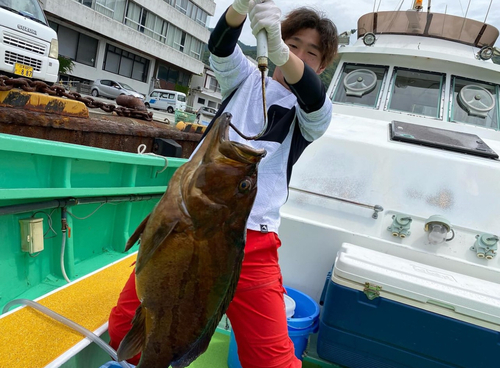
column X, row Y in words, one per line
column 244, row 185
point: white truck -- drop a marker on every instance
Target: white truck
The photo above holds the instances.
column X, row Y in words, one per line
column 28, row 46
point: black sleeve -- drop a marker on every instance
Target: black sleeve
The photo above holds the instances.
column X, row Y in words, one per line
column 224, row 38
column 310, row 91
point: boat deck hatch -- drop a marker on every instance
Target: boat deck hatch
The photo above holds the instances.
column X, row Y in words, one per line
column 440, row 138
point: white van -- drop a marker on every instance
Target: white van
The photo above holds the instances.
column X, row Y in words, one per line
column 28, row 46
column 164, row 99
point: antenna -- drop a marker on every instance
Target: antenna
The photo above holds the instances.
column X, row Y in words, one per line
column 461, row 7
column 467, row 11
column 489, row 7
column 465, row 18
column 374, row 3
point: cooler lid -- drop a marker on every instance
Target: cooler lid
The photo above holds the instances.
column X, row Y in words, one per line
column 412, row 280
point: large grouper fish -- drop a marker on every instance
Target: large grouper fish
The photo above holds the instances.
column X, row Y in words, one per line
column 191, row 250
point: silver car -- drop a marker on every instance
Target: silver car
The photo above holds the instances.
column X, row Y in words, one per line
column 112, row 89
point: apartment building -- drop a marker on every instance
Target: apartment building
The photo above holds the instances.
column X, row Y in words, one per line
column 205, row 90
column 144, row 43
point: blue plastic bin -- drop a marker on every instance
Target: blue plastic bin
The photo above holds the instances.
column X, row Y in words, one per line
column 300, row 326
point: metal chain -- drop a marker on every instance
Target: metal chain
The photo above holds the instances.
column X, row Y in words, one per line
column 27, row 85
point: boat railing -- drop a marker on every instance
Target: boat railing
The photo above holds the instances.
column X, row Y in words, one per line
column 443, row 26
column 376, row 208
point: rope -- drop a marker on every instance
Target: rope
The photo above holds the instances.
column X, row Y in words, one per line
column 141, row 150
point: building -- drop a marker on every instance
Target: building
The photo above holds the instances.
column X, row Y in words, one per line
column 205, row 90
column 144, row 43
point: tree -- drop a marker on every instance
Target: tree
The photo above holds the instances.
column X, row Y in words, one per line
column 66, row 65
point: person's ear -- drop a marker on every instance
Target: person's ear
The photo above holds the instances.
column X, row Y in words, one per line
column 320, row 70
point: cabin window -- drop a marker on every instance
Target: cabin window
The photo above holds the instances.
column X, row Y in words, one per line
column 417, row 92
column 360, row 85
column 475, row 103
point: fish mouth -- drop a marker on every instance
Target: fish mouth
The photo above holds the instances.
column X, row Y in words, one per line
column 235, row 150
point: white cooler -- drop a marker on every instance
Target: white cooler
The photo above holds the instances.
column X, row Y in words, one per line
column 384, row 311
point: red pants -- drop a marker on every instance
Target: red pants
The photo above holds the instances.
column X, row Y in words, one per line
column 257, row 311
column 120, row 319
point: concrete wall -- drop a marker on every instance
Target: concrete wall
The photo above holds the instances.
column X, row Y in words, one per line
column 85, row 17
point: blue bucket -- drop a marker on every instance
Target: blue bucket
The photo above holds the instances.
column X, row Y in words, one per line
column 300, row 326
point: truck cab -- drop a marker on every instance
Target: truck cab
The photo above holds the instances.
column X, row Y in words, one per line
column 28, row 46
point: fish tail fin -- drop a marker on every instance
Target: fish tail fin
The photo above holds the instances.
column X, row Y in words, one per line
column 133, row 342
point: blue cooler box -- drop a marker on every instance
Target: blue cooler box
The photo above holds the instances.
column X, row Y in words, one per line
column 382, row 311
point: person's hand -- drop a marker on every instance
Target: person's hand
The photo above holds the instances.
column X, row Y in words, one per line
column 266, row 15
column 241, row 6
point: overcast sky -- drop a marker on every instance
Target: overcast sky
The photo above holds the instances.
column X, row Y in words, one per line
column 345, row 14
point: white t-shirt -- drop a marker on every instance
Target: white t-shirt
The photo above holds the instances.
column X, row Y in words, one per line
column 290, row 129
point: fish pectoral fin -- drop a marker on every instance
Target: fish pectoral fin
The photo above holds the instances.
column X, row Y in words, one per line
column 137, row 233
column 134, row 340
column 150, row 246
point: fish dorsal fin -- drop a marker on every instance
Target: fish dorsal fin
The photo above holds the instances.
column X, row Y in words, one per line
column 149, row 246
column 133, row 342
column 137, row 233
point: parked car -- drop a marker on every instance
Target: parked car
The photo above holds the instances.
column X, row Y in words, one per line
column 207, row 111
column 112, row 89
column 205, row 114
column 164, row 99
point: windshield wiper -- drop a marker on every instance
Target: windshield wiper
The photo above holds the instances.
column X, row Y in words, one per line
column 31, row 16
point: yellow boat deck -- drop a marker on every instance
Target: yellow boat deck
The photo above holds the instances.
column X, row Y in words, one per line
column 31, row 339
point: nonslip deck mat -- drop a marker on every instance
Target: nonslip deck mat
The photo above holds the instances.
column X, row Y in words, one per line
column 29, row 338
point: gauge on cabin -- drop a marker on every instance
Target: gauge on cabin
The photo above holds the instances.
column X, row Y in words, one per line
column 476, row 100
column 360, row 82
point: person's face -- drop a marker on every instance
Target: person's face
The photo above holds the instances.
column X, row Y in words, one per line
column 305, row 44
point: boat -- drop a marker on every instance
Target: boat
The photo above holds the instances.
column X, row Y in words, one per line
column 391, row 224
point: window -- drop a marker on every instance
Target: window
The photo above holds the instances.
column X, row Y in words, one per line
column 417, row 92
column 474, row 102
column 171, row 75
column 125, row 63
column 106, row 7
column 133, row 15
column 201, row 100
column 76, row 46
column 214, row 85
column 155, row 94
column 87, row 50
column 85, row 2
column 360, row 85
column 181, row 5
column 159, row 29
column 196, row 47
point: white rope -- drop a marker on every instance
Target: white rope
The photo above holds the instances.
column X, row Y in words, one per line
column 141, row 150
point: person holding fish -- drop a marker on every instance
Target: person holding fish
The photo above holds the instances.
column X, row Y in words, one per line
column 301, row 46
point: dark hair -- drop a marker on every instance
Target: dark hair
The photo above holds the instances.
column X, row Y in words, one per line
column 303, row 18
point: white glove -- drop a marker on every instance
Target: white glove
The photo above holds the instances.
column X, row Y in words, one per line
column 241, row 6
column 266, row 15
